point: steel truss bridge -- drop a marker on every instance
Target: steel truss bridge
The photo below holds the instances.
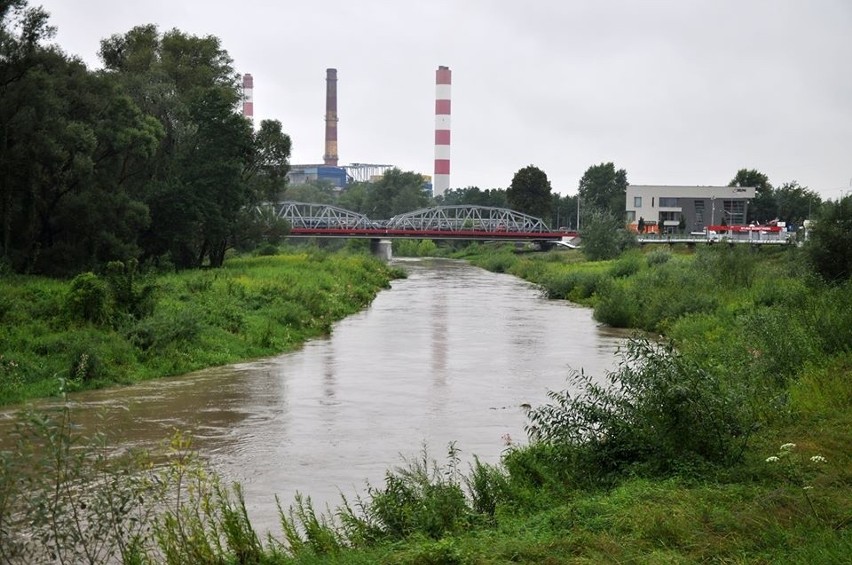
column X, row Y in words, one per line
column 441, row 222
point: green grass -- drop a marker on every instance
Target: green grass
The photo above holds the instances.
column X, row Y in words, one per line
column 252, row 307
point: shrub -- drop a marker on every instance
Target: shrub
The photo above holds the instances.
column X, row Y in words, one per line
column 829, row 314
column 267, row 250
column 419, row 498
column 88, row 299
column 616, row 307
column 175, row 329
column 499, row 262
column 604, row 237
column 628, row 264
column 658, row 257
column 658, row 411
column 829, row 246
column 487, row 487
column 779, row 344
column 128, row 294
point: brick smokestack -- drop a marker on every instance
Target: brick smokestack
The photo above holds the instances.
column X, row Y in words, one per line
column 248, row 98
column 443, row 82
column 330, row 157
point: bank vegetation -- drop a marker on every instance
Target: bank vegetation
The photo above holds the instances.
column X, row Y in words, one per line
column 723, row 439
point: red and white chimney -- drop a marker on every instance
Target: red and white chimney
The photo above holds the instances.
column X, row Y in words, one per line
column 248, row 98
column 441, row 179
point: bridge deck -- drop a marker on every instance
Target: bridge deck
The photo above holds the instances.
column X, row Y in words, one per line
column 383, row 233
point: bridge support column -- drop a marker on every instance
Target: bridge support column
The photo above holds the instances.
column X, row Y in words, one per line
column 382, row 249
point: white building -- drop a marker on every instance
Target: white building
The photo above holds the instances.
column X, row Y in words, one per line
column 661, row 208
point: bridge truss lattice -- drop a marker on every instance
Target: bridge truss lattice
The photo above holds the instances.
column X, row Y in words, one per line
column 305, row 215
column 467, row 218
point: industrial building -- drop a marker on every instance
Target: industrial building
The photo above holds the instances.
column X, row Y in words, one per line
column 664, row 209
column 341, row 175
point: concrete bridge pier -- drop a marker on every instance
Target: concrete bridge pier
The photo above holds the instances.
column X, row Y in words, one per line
column 382, row 249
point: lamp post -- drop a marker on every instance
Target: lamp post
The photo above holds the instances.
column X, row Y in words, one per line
column 578, row 211
column 712, row 210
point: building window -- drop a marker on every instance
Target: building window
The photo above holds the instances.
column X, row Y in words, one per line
column 652, row 202
column 631, row 216
column 667, row 202
column 734, row 211
column 669, row 216
column 637, row 201
column 699, row 213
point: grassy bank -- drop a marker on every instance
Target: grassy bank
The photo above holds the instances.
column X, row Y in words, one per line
column 728, row 445
column 120, row 326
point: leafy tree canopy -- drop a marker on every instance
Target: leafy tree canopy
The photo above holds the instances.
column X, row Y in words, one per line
column 752, row 178
column 396, row 192
column 604, row 236
column 530, row 193
column 604, row 188
column 473, row 196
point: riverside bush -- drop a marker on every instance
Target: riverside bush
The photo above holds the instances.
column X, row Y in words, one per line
column 628, row 264
column 658, row 257
column 616, row 307
column 656, row 412
column 88, row 299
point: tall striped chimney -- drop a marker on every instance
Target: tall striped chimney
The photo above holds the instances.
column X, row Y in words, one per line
column 441, row 180
column 248, row 98
column 330, row 157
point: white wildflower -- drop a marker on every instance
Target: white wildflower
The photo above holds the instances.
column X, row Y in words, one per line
column 788, row 447
column 819, row 459
column 808, row 488
column 772, row 459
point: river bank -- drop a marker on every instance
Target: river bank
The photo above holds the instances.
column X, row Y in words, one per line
column 731, row 447
column 123, row 327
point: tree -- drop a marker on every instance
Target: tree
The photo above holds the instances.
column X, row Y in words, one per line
column 473, row 196
column 564, row 212
column 829, row 245
column 762, row 208
column 209, row 164
column 267, row 168
column 604, row 236
column 72, row 145
column 794, row 204
column 604, row 188
column 395, row 193
column 640, row 227
column 354, row 197
column 530, row 193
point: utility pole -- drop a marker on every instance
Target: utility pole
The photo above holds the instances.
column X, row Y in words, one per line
column 578, row 211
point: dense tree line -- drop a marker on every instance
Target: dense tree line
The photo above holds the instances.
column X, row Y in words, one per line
column 789, row 202
column 148, row 158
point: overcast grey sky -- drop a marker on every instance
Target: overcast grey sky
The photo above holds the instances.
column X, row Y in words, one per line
column 679, row 92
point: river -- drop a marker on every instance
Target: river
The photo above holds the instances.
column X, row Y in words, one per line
column 449, row 354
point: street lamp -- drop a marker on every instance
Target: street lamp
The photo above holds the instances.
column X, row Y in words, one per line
column 712, row 210
column 578, row 211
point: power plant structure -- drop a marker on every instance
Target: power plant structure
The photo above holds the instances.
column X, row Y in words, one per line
column 330, row 157
column 248, row 98
column 339, row 176
column 443, row 83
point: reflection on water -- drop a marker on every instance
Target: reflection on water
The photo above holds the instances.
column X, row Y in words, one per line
column 448, row 354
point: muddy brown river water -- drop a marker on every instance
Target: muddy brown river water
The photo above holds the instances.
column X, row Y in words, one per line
column 450, row 354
